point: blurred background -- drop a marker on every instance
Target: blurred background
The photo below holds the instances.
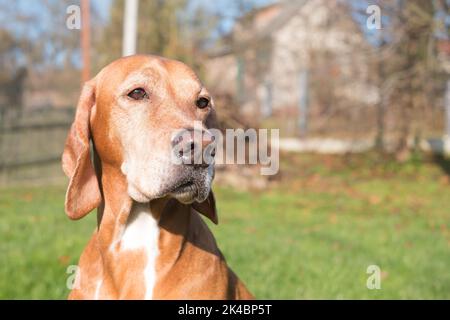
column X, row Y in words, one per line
column 360, row 91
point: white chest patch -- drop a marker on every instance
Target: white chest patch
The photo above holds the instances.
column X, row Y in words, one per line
column 142, row 232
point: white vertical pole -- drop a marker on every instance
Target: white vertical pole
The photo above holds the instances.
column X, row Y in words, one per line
column 446, row 138
column 130, row 27
column 447, row 110
column 303, row 103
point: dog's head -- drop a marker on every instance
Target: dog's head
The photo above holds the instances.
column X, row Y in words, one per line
column 143, row 114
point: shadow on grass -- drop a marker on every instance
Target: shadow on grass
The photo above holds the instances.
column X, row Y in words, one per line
column 443, row 163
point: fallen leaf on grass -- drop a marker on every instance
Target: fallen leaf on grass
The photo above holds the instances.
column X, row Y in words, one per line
column 374, row 199
column 64, row 260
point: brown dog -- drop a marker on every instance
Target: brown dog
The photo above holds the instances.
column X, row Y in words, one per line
column 150, row 242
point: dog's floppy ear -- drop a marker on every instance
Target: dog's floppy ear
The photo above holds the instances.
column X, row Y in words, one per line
column 207, row 208
column 83, row 194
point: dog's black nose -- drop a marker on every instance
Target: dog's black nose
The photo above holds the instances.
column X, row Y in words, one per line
column 195, row 147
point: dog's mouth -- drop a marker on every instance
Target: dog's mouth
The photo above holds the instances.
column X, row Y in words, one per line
column 185, row 185
column 186, row 192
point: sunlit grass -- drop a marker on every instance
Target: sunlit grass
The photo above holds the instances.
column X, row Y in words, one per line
column 311, row 236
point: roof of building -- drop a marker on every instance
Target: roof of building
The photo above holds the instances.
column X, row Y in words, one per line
column 286, row 11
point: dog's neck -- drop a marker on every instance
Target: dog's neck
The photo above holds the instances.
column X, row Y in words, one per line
column 118, row 210
column 154, row 232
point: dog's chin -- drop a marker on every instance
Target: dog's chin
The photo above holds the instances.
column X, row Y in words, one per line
column 189, row 192
column 186, row 185
column 185, row 192
column 137, row 195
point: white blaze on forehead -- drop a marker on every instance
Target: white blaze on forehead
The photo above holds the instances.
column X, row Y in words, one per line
column 142, row 232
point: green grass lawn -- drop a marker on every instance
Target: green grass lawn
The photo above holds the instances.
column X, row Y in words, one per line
column 311, row 235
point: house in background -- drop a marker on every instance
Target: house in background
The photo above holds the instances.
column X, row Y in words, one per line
column 295, row 60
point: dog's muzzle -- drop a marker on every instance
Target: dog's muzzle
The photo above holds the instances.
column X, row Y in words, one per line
column 194, row 152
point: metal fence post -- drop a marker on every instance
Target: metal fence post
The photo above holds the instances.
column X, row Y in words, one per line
column 303, row 103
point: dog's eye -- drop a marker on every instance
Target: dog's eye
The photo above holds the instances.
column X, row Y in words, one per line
column 202, row 102
column 138, row 94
